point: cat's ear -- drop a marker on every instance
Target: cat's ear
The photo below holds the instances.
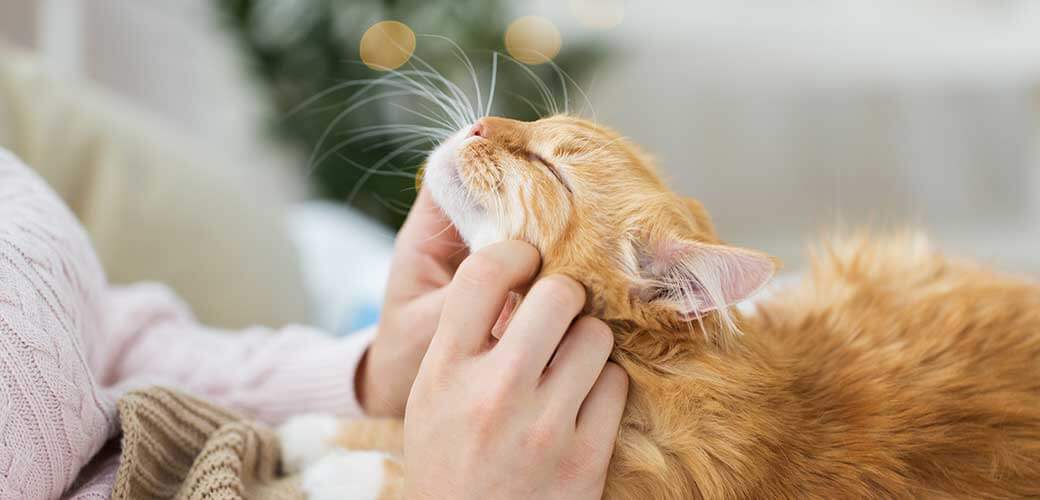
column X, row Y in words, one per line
column 695, row 278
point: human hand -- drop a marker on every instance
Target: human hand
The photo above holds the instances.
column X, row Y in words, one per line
column 426, row 253
column 496, row 419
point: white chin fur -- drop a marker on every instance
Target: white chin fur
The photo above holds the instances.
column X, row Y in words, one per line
column 442, row 179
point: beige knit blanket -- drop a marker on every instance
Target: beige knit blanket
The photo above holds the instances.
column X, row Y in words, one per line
column 178, row 447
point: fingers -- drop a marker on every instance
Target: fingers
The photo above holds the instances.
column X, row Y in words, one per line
column 578, row 365
column 600, row 415
column 478, row 292
column 540, row 322
column 427, row 230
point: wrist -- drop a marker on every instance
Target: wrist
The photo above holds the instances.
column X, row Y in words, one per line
column 372, row 390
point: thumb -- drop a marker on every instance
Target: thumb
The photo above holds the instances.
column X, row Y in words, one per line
column 427, row 311
column 428, row 230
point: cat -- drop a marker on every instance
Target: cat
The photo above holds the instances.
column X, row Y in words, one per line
column 889, row 371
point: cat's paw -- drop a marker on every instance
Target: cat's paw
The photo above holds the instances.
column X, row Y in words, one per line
column 306, row 439
column 341, row 474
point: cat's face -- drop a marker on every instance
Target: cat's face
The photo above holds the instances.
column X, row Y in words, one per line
column 595, row 208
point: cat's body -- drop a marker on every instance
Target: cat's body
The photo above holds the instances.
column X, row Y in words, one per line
column 889, row 371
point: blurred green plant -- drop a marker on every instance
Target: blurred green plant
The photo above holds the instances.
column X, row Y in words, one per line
column 299, row 49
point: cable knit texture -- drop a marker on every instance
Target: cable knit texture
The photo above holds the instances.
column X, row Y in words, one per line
column 178, row 447
column 71, row 346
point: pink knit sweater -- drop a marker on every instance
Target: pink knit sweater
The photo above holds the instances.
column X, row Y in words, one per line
column 71, row 344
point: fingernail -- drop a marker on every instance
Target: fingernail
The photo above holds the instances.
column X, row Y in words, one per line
column 507, row 313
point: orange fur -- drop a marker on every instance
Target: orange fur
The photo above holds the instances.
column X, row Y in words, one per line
column 378, row 434
column 891, row 371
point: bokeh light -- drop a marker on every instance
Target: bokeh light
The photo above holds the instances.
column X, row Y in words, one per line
column 387, row 45
column 598, row 14
column 533, row 40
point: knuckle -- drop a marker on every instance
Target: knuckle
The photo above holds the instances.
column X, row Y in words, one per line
column 563, row 290
column 597, row 332
column 616, row 377
column 525, row 252
column 499, row 394
column 542, row 437
column 483, row 417
column 510, row 369
column 484, row 412
column 481, row 269
column 487, row 413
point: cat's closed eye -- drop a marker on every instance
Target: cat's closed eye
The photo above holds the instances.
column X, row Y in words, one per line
column 536, row 158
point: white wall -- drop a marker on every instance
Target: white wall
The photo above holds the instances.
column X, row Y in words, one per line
column 784, row 120
column 17, row 20
column 790, row 120
column 170, row 58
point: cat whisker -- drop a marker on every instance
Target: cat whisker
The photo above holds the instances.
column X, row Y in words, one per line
column 371, row 171
column 316, row 156
column 460, row 104
column 457, row 92
column 462, row 248
column 401, row 130
column 447, row 227
column 563, row 85
column 398, row 135
column 393, row 140
column 537, row 112
column 543, row 89
column 494, row 78
column 427, row 89
column 445, row 126
column 352, row 140
column 453, row 105
column 375, row 168
column 394, row 128
column 386, row 204
column 367, row 84
column 356, row 102
column 464, row 105
column 465, row 60
column 327, row 92
column 563, row 75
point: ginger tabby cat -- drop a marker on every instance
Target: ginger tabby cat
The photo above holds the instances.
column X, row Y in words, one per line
column 889, row 371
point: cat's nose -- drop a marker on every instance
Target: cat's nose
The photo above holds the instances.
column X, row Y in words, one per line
column 492, row 127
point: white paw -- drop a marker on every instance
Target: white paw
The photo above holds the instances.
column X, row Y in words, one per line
column 340, row 475
column 305, row 439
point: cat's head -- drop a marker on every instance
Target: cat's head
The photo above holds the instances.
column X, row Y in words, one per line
column 595, row 207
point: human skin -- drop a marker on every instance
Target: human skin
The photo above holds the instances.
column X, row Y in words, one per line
column 534, row 414
column 427, row 252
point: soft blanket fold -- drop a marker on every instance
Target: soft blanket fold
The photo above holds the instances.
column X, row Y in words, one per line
column 178, row 447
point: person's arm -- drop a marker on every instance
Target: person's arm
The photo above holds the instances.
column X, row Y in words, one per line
column 151, row 338
column 53, row 415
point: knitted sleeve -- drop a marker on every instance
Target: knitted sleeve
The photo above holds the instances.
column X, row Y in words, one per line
column 53, row 415
column 70, row 346
column 271, row 374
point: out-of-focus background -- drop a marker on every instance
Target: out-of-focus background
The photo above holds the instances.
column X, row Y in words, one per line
column 185, row 135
